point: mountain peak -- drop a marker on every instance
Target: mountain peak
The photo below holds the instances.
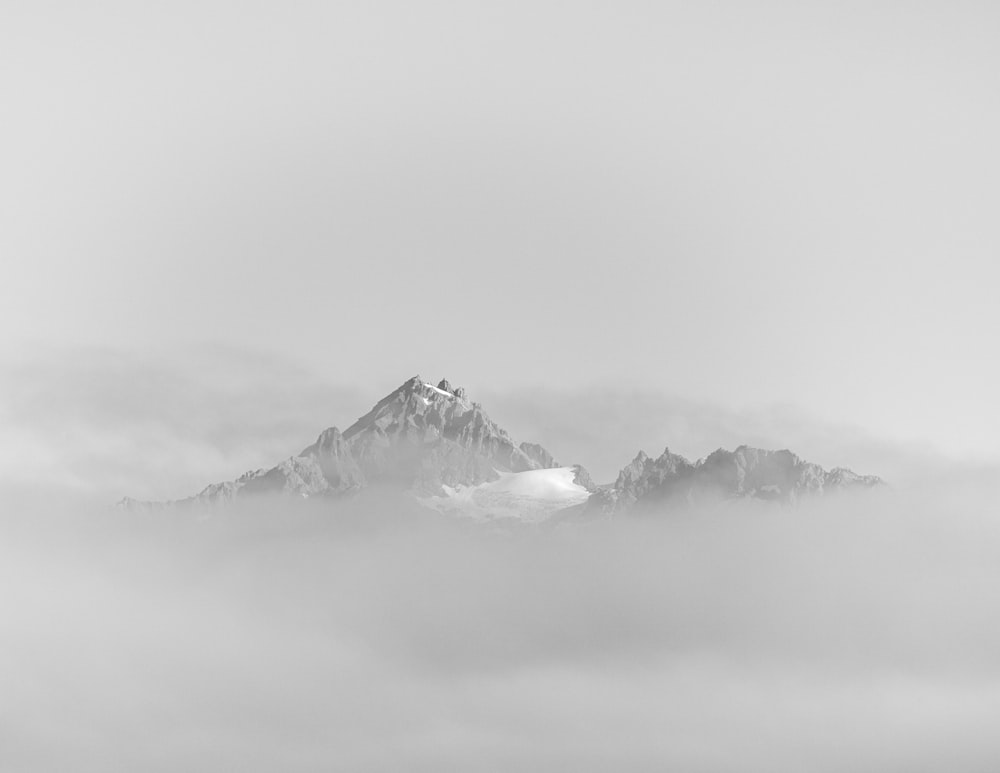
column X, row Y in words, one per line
column 419, row 437
column 745, row 472
column 444, row 386
column 433, row 442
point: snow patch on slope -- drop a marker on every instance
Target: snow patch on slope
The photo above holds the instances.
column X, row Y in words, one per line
column 531, row 496
column 439, row 391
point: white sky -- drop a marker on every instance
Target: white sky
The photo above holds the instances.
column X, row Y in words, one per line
column 750, row 203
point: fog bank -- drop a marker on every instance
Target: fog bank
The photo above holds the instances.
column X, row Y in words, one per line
column 842, row 634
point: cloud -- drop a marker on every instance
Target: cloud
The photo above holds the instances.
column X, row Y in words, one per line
column 604, row 428
column 157, row 424
column 842, row 634
column 849, row 634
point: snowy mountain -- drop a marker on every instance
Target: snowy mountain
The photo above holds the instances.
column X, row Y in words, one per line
column 443, row 450
column 746, row 472
column 428, row 440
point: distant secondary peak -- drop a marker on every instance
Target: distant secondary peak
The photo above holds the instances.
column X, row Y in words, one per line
column 445, row 385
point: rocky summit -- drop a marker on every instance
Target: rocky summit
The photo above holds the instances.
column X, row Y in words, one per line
column 442, row 449
column 746, row 472
column 420, row 438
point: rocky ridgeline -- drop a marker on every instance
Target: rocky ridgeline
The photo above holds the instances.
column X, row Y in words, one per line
column 744, row 473
column 427, row 439
column 418, row 438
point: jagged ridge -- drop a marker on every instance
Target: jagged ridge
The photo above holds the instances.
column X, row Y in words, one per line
column 433, row 440
column 743, row 473
column 419, row 437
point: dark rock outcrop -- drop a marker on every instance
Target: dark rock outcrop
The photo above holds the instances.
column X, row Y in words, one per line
column 539, row 455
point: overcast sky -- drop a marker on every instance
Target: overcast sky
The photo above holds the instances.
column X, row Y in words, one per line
column 752, row 204
column 225, row 226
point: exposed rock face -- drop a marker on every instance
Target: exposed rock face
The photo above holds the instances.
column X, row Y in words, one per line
column 419, row 438
column 336, row 462
column 423, row 437
column 745, row 472
column 538, row 455
column 582, row 478
column 432, row 441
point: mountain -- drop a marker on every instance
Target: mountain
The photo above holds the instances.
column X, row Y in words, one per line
column 430, row 441
column 443, row 450
column 746, row 472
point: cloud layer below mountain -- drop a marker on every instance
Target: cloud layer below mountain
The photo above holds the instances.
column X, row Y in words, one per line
column 849, row 634
column 842, row 634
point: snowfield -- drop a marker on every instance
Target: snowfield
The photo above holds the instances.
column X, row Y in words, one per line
column 530, row 496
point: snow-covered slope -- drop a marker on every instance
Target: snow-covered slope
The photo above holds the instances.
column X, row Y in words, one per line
column 530, row 496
